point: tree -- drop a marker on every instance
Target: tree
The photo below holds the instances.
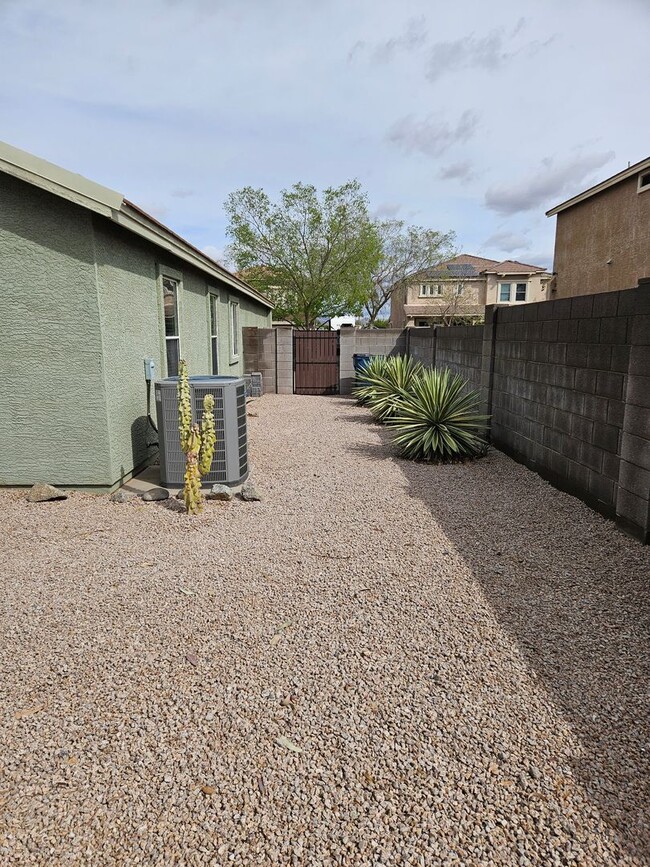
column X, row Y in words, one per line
column 405, row 250
column 312, row 255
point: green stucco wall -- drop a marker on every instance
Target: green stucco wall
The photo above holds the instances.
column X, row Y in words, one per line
column 130, row 329
column 81, row 308
column 53, row 419
column 129, row 273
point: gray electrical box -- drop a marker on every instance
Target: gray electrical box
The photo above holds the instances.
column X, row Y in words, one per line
column 149, row 369
column 230, row 462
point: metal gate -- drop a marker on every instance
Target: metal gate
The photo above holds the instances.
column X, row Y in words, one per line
column 315, row 362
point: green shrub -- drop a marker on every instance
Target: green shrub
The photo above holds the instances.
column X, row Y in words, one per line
column 384, row 382
column 438, row 419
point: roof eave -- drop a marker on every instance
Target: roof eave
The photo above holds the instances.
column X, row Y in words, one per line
column 599, row 188
column 136, row 220
column 54, row 179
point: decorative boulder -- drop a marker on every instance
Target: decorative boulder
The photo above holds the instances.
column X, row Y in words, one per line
column 122, row 497
column 249, row 493
column 219, row 492
column 41, row 493
column 155, row 494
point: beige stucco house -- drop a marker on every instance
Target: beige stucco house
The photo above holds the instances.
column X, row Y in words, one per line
column 457, row 291
column 602, row 235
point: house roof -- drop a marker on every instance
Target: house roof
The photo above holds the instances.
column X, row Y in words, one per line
column 112, row 205
column 510, row 266
column 629, row 172
column 467, row 266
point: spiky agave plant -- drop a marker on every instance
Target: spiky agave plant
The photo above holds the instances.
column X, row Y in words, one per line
column 438, row 419
column 368, row 378
column 393, row 381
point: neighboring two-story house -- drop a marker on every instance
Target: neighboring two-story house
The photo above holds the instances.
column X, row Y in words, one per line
column 602, row 235
column 458, row 291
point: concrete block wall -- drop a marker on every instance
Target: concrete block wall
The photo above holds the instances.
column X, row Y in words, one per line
column 460, row 348
column 369, row 341
column 421, row 344
column 259, row 355
column 561, row 392
column 633, row 500
column 284, row 359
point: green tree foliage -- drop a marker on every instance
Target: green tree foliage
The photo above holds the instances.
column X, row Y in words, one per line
column 312, row 255
column 405, row 250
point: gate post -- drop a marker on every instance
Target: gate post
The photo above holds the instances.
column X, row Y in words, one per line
column 347, row 340
column 284, row 359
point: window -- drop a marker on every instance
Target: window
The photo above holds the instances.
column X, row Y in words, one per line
column 214, row 343
column 520, row 292
column 172, row 338
column 505, row 292
column 644, row 181
column 429, row 291
column 234, row 330
column 460, row 289
column 421, row 323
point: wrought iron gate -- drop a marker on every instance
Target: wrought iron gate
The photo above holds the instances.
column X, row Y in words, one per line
column 315, row 362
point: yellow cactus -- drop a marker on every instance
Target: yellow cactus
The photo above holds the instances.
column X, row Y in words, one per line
column 196, row 442
column 208, row 435
column 192, row 486
column 184, row 405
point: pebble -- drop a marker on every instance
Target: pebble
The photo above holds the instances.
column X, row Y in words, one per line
column 139, row 642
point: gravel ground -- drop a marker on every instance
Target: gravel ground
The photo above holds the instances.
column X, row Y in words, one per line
column 458, row 652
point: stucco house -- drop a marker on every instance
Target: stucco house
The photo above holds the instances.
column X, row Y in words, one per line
column 458, row 290
column 91, row 287
column 602, row 235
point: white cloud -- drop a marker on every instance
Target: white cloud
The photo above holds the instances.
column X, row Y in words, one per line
column 462, row 171
column 434, row 135
column 509, row 242
column 545, row 186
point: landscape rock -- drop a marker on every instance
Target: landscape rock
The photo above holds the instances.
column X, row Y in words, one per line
column 42, row 493
column 220, row 492
column 122, row 497
column 250, row 493
column 155, row 494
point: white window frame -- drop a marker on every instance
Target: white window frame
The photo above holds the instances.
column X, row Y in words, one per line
column 430, row 290
column 644, row 176
column 512, row 293
column 176, row 278
column 235, row 329
column 460, row 289
column 213, row 301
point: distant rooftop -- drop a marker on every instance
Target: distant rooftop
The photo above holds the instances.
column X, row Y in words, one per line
column 467, row 266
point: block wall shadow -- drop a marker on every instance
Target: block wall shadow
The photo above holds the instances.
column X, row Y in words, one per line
column 572, row 591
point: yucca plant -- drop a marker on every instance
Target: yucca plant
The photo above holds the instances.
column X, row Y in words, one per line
column 387, row 383
column 368, row 377
column 438, row 419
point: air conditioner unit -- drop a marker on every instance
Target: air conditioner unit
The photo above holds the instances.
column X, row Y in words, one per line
column 230, row 462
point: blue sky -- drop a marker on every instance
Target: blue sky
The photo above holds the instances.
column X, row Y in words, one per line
column 470, row 116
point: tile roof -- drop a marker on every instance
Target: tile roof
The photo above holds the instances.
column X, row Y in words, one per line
column 510, row 266
column 466, row 266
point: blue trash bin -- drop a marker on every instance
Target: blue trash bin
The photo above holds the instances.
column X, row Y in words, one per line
column 360, row 361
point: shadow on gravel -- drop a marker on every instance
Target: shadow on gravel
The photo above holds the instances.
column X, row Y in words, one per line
column 577, row 607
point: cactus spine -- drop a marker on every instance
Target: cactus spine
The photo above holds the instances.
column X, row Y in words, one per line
column 208, row 435
column 196, row 442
